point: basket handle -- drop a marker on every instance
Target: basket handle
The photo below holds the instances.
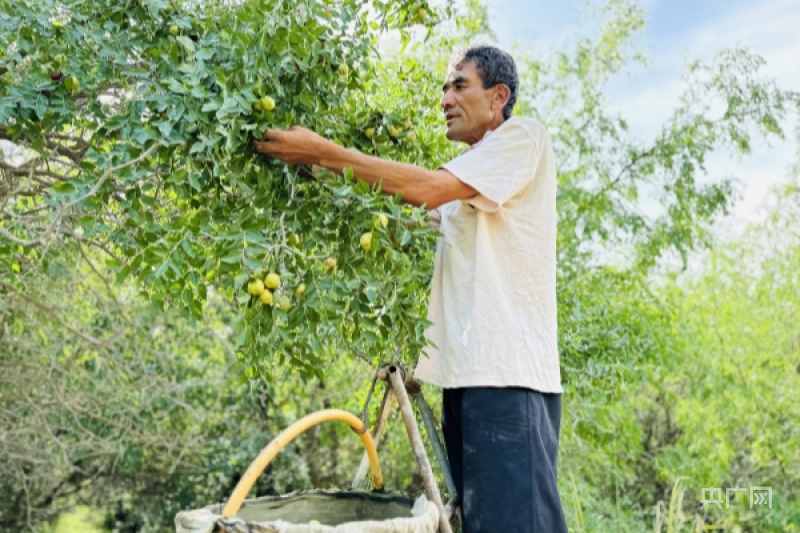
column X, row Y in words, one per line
column 288, row 435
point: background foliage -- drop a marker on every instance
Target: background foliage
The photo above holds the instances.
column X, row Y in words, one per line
column 140, row 378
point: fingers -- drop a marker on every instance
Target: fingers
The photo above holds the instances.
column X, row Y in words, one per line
column 271, row 135
column 289, row 145
column 268, row 145
column 276, row 135
column 260, row 147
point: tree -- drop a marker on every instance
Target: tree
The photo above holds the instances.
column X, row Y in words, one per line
column 145, row 156
column 102, row 395
column 735, row 400
column 625, row 204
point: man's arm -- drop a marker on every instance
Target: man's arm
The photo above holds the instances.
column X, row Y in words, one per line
column 298, row 146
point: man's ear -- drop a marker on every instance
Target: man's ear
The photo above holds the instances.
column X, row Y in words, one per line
column 501, row 95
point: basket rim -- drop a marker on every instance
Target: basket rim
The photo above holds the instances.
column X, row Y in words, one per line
column 403, row 498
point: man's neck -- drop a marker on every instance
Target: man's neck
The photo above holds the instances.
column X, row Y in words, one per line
column 493, row 126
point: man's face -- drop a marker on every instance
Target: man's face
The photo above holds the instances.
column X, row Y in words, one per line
column 467, row 105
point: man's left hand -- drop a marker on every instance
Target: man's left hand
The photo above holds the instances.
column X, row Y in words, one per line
column 295, row 146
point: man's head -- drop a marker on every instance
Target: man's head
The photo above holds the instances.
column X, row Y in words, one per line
column 479, row 93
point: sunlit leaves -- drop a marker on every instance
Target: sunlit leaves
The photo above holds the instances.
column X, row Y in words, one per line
column 203, row 212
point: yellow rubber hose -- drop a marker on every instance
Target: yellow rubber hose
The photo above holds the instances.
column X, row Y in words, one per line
column 288, row 435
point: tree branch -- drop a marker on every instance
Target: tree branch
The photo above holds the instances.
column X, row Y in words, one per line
column 105, row 282
column 613, row 183
column 62, row 209
column 53, row 314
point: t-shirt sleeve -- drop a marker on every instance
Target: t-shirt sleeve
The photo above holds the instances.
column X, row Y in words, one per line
column 499, row 167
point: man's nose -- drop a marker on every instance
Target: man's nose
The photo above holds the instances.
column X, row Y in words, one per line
column 447, row 101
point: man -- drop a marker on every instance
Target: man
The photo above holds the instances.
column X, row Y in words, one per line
column 493, row 299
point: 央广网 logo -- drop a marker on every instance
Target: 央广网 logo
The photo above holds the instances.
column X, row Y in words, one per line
column 713, row 496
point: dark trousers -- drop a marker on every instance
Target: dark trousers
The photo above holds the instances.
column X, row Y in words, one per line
column 502, row 445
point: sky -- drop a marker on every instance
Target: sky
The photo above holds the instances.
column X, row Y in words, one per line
column 680, row 30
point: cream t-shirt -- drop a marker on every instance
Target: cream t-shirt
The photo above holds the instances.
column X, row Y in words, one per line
column 493, row 294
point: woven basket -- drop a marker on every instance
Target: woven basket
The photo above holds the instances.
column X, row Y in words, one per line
column 347, row 511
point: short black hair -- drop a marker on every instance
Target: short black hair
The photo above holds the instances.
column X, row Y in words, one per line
column 494, row 66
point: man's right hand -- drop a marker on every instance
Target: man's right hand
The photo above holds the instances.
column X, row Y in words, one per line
column 295, row 146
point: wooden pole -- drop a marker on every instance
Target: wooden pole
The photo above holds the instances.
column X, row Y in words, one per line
column 396, row 376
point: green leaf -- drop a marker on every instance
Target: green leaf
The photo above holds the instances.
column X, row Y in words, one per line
column 186, row 43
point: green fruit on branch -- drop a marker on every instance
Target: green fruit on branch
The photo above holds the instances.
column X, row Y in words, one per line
column 272, row 280
column 57, row 24
column 300, row 290
column 267, row 103
column 366, row 241
column 257, row 105
column 293, row 239
column 72, row 84
column 255, row 287
column 369, row 132
column 286, row 303
column 174, row 30
column 411, row 136
column 344, row 70
column 265, row 297
column 380, row 220
column 329, row 263
column 394, row 131
column 407, row 124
